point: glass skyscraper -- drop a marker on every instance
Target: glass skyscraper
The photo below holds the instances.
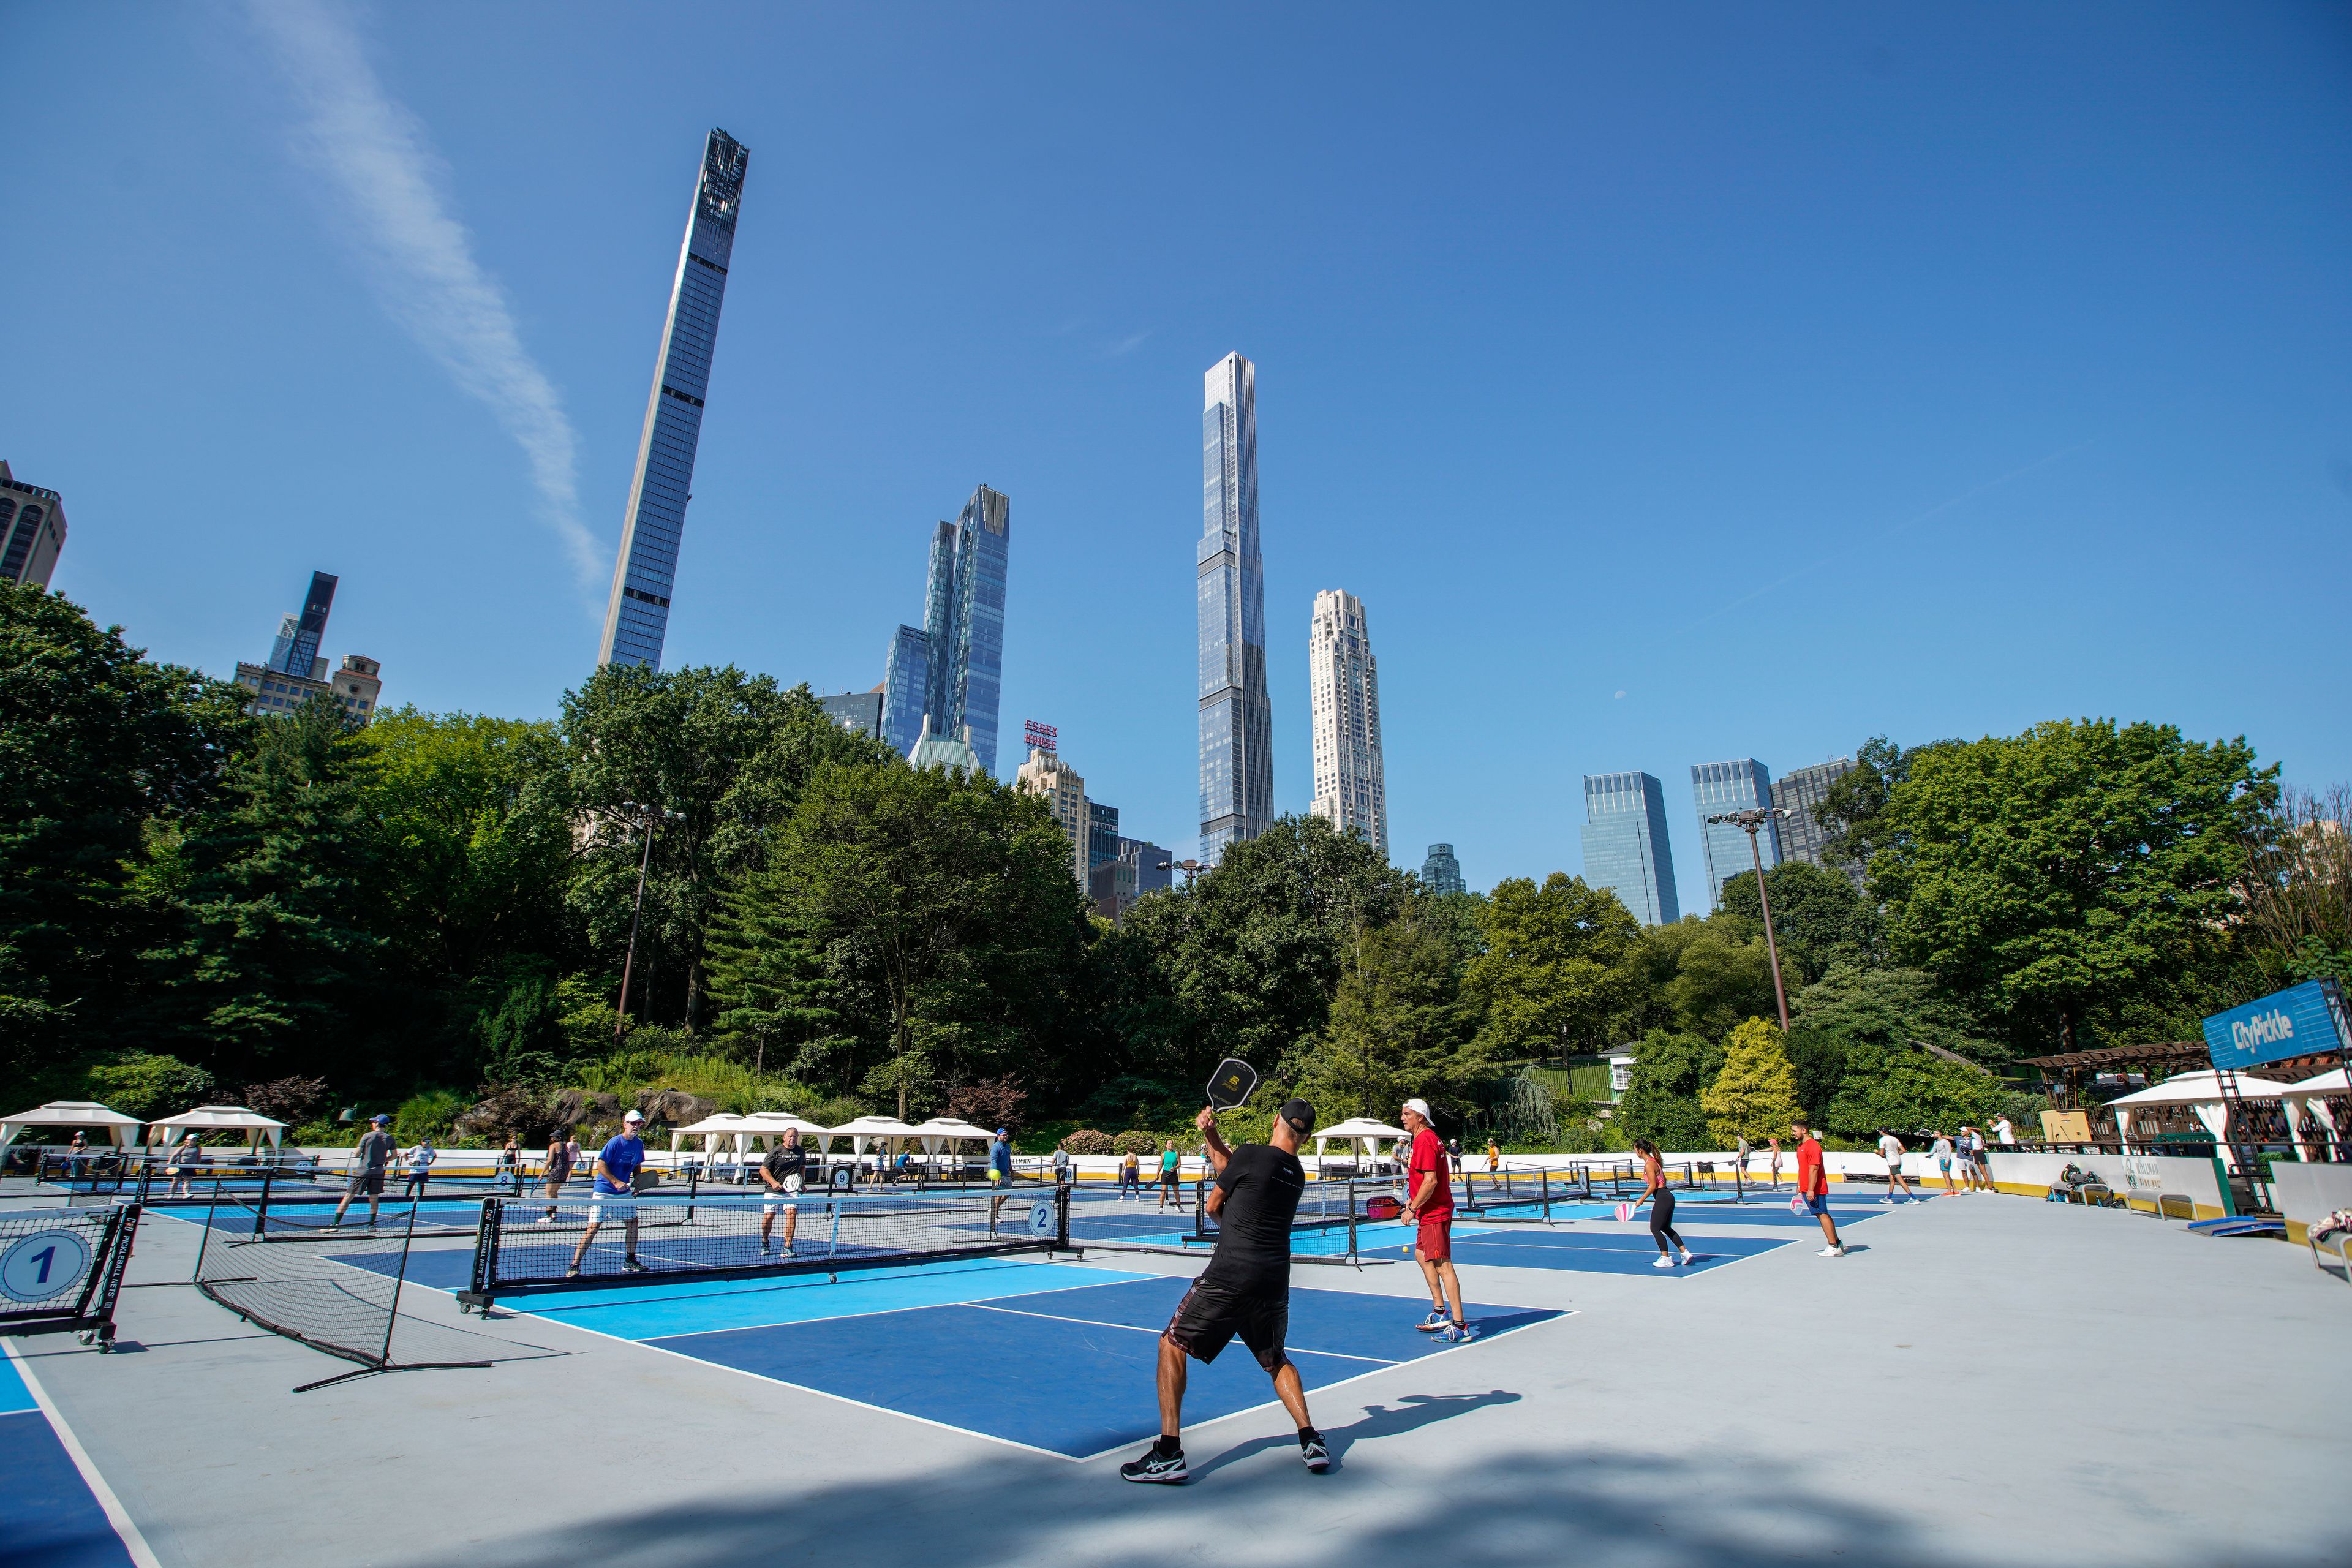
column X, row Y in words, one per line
column 1625, row 845
column 1718, row 788
column 1441, row 873
column 952, row 669
column 1803, row 836
column 1237, row 717
column 636, row 618
column 295, row 655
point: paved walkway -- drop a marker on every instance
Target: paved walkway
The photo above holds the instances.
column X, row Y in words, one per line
column 1981, row 1381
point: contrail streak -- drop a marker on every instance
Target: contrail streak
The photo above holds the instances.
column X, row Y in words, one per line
column 1908, row 523
column 420, row 258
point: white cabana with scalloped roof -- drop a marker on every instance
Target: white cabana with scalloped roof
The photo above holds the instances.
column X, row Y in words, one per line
column 2200, row 1091
column 206, row 1120
column 886, row 1131
column 67, row 1117
column 2309, row 1097
column 1363, row 1136
column 942, row 1130
column 769, row 1125
column 712, row 1128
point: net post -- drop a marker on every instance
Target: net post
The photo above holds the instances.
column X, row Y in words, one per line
column 485, row 1252
column 392, row 1317
column 1200, row 1211
column 1062, row 1218
column 1545, row 1178
column 261, row 1210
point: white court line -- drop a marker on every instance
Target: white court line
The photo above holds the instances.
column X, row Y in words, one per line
column 116, row 1514
column 1564, row 1312
column 1099, row 1323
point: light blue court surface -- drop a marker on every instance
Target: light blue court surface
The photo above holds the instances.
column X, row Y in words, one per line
column 1051, row 1356
column 48, row 1514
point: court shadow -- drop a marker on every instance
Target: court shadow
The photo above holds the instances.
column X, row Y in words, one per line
column 1410, row 1414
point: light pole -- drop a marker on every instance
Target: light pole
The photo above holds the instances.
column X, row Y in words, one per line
column 1190, row 868
column 1752, row 819
column 653, row 816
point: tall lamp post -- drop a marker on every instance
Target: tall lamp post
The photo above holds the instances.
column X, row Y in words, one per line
column 1190, row 868
column 1752, row 819
column 652, row 818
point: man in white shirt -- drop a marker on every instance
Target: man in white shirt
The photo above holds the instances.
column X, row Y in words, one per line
column 1890, row 1148
column 2003, row 1131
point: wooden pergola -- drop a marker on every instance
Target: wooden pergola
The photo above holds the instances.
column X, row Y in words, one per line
column 2066, row 1070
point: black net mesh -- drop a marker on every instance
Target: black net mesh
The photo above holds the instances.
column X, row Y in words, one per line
column 584, row 1240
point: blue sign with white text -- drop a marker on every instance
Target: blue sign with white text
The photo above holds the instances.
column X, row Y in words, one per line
column 2296, row 1022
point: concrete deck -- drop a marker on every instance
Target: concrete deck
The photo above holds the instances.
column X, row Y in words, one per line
column 1982, row 1380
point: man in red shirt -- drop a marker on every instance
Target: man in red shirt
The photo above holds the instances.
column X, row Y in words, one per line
column 1813, row 1186
column 1430, row 1206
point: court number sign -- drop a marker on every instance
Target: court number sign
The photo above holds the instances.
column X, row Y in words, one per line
column 1041, row 1217
column 46, row 1264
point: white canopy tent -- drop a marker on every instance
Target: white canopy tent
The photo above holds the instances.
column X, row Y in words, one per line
column 68, row 1116
column 2309, row 1097
column 1362, row 1133
column 712, row 1128
column 769, row 1125
column 2200, row 1091
column 940, row 1131
column 207, row 1118
column 884, row 1131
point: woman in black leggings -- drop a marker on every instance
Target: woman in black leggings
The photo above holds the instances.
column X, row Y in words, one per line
column 1662, row 1205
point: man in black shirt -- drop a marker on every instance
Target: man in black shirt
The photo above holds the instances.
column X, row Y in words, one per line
column 782, row 1172
column 1245, row 1289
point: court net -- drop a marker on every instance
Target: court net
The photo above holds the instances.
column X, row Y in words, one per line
column 584, row 1242
column 340, row 1296
column 61, row 1268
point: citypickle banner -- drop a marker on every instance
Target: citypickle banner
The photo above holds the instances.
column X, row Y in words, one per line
column 2291, row 1022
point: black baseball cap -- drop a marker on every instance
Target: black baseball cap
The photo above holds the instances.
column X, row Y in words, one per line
column 1299, row 1114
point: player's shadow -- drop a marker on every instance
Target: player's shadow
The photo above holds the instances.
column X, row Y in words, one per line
column 1410, row 1414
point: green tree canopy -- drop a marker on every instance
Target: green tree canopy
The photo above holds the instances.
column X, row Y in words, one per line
column 1817, row 916
column 1753, row 1095
column 1661, row 1102
column 1399, row 1026
column 1550, row 979
column 2048, row 878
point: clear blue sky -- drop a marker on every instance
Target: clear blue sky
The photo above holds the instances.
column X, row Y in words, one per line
column 1673, row 383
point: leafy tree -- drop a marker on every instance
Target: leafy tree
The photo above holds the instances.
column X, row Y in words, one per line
column 1854, row 808
column 1753, row 1095
column 275, row 961
column 770, row 986
column 146, row 1085
column 1817, row 916
column 2296, row 881
column 1398, row 1027
column 1701, row 976
column 1247, row 961
column 1550, row 978
column 949, row 901
column 1908, row 1089
column 97, row 744
column 293, row 1100
column 2047, row 879
column 523, row 1040
column 1661, row 1102
column 716, row 758
column 476, row 835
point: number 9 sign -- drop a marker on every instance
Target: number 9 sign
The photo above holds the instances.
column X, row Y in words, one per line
column 44, row 1265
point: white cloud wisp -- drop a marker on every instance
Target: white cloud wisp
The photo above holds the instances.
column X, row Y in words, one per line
column 421, row 258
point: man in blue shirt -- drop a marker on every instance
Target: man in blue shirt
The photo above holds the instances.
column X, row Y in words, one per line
column 999, row 1174
column 617, row 1164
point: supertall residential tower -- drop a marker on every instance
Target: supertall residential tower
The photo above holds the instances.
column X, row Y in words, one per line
column 637, row 617
column 1343, row 682
column 1236, row 718
column 950, row 669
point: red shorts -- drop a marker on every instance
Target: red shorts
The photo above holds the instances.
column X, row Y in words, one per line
column 1435, row 1243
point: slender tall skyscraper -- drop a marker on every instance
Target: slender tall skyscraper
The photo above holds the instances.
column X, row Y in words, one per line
column 637, row 617
column 1236, row 718
column 1625, row 845
column 1343, row 682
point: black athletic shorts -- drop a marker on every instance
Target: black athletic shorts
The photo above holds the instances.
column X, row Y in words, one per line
column 1210, row 1314
column 368, row 1182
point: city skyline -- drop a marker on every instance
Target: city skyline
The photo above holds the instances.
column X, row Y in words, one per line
column 950, row 673
column 1711, row 403
column 653, row 530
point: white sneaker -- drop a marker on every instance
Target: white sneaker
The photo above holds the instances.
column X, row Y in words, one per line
column 1830, row 1252
column 1690, row 1260
column 1663, row 1263
column 1887, row 1200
